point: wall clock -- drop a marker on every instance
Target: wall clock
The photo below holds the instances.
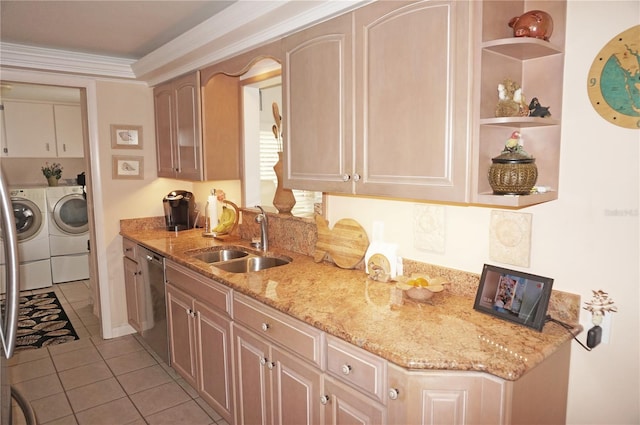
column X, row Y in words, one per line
column 614, row 80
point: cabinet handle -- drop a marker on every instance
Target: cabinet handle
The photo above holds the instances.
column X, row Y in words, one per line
column 265, row 327
column 346, row 177
column 394, row 393
column 346, row 369
column 324, row 399
column 47, row 146
column 271, row 365
column 64, row 147
column 263, row 361
column 356, row 177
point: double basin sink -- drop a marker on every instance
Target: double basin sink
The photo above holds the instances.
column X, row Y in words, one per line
column 239, row 260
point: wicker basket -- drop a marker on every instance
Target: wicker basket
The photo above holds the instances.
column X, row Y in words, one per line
column 512, row 174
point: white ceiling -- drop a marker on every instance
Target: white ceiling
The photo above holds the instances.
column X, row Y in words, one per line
column 124, row 29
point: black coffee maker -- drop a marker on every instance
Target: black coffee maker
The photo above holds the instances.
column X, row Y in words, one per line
column 179, row 210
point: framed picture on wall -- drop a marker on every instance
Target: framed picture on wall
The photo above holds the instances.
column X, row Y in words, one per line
column 127, row 167
column 126, row 136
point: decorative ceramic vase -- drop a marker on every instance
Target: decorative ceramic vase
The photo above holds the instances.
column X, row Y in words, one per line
column 53, row 181
column 283, row 200
column 513, row 173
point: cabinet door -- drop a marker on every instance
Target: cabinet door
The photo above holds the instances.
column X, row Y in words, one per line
column 182, row 334
column 296, row 388
column 412, row 70
column 69, row 134
column 132, row 287
column 345, row 405
column 253, row 378
column 318, row 107
column 221, row 127
column 24, row 139
column 213, row 347
column 187, row 137
column 164, row 116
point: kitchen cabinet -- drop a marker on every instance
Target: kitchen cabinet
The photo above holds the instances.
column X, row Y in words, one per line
column 455, row 397
column 178, row 138
column 134, row 286
column 58, row 133
column 538, row 67
column 376, row 102
column 355, row 389
column 200, row 335
column 277, row 366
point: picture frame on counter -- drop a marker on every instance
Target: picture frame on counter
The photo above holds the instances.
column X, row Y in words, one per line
column 515, row 296
column 127, row 167
column 126, row 136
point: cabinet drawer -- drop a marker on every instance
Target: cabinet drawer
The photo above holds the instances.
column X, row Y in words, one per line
column 205, row 290
column 298, row 337
column 357, row 367
column 130, row 249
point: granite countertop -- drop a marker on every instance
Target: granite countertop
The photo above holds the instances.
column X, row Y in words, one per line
column 443, row 333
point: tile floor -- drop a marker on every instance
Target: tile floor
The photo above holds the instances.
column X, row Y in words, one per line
column 92, row 381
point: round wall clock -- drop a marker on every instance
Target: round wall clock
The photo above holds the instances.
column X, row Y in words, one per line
column 614, row 80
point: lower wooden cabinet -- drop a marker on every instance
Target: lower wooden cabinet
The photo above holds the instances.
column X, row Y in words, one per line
column 345, row 405
column 200, row 337
column 272, row 385
column 134, row 291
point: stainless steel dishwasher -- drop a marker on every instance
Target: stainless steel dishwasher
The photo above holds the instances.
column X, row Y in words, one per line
column 154, row 325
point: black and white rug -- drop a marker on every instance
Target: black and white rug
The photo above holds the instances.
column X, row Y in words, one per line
column 42, row 322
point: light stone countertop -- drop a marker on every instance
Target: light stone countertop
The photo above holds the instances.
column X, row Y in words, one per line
column 443, row 333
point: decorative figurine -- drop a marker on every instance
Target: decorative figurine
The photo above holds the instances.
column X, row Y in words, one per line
column 535, row 24
column 537, row 110
column 511, row 102
column 514, row 171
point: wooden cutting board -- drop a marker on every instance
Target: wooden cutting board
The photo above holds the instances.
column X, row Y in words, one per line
column 346, row 243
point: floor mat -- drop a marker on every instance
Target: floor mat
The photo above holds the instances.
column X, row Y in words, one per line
column 42, row 322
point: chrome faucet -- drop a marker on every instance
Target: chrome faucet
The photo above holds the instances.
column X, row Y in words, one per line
column 264, row 232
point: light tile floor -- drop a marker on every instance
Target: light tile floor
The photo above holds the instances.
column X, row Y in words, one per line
column 92, row 381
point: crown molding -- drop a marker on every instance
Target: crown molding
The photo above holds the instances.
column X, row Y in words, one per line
column 63, row 61
column 236, row 29
column 254, row 24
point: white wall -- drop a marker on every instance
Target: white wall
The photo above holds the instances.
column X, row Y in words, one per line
column 576, row 240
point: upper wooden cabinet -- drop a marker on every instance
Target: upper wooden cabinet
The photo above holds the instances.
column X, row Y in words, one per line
column 178, row 139
column 58, row 132
column 382, row 112
column 398, row 99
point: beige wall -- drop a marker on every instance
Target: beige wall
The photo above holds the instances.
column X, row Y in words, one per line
column 576, row 239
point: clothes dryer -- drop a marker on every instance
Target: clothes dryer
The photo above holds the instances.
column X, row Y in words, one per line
column 32, row 223
column 68, row 233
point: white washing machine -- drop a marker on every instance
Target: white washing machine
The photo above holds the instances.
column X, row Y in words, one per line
column 68, row 233
column 32, row 223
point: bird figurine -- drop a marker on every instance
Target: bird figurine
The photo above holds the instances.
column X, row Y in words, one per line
column 513, row 141
column 512, row 145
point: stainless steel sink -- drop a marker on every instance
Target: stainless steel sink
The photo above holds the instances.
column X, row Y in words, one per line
column 252, row 264
column 220, row 255
column 238, row 260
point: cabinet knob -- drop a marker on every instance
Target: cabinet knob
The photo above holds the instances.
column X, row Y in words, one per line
column 394, row 393
column 265, row 327
column 346, row 369
column 356, row 177
column 324, row 399
column 346, row 177
column 271, row 365
column 263, row 361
